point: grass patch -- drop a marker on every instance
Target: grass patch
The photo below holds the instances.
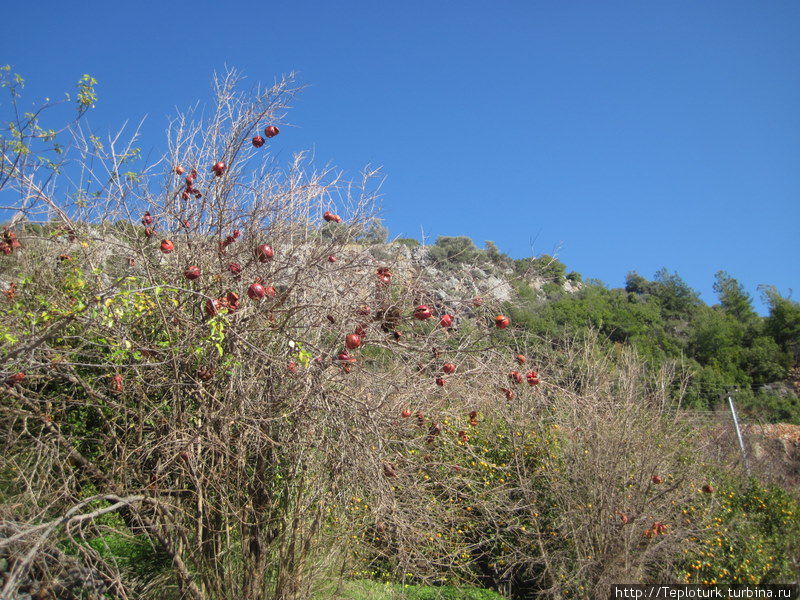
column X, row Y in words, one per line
column 364, row 589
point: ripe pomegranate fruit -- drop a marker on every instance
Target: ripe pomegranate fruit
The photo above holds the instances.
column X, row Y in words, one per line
column 264, row 253
column 212, row 307
column 422, row 312
column 509, row 393
column 219, row 168
column 235, row 268
column 258, row 141
column 406, row 413
column 521, row 359
column 149, row 231
column 446, row 321
column 192, row 272
column 441, row 381
column 332, row 259
column 515, row 376
column 179, row 170
column 501, row 321
column 16, row 378
column 656, row 529
column 256, row 291
column 5, row 248
column 345, row 357
column 167, row 246
column 232, row 300
column 147, row 219
column 271, row 131
column 226, row 242
column 116, row 384
column 352, row 341
column 449, row 368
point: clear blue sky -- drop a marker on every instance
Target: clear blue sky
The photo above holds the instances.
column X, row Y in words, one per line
column 623, row 135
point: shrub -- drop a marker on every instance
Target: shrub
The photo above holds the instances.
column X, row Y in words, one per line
column 497, row 258
column 545, row 267
column 532, row 501
column 751, row 533
column 226, row 431
column 454, row 250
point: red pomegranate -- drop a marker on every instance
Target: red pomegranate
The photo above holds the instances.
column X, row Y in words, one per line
column 264, row 253
column 192, row 272
column 219, row 168
column 256, row 291
column 352, row 341
column 422, row 312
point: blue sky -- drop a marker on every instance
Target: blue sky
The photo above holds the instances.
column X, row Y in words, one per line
column 620, row 135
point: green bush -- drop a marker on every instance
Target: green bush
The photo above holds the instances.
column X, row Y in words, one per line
column 497, row 258
column 545, row 266
column 754, row 533
column 372, row 590
column 455, row 250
